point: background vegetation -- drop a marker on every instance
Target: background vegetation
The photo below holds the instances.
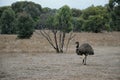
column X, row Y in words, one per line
column 92, row 19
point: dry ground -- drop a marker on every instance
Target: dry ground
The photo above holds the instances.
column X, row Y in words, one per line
column 34, row 59
column 104, row 65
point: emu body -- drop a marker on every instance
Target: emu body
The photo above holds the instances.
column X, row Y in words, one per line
column 85, row 49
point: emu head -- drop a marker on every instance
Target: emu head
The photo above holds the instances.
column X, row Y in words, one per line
column 77, row 48
column 77, row 44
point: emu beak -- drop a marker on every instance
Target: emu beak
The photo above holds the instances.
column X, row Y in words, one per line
column 76, row 42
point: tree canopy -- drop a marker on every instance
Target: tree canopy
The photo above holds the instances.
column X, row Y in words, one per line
column 114, row 10
column 8, row 22
column 25, row 25
column 91, row 19
column 64, row 19
column 31, row 8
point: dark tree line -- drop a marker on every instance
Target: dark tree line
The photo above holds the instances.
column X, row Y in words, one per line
column 92, row 19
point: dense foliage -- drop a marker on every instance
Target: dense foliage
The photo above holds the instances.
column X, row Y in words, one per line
column 25, row 25
column 92, row 19
column 64, row 19
column 114, row 10
column 95, row 19
column 8, row 22
column 19, row 17
column 33, row 9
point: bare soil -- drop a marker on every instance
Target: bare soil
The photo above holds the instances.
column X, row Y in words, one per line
column 34, row 59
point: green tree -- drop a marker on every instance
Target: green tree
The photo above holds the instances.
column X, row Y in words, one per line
column 8, row 22
column 94, row 24
column 46, row 13
column 64, row 19
column 64, row 22
column 77, row 24
column 95, row 15
column 114, row 10
column 31, row 8
column 59, row 24
column 25, row 25
column 76, row 12
column 2, row 9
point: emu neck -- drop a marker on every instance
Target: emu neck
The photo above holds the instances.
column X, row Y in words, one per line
column 77, row 46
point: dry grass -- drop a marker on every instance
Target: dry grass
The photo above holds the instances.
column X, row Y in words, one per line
column 37, row 43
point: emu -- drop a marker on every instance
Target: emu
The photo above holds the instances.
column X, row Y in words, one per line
column 85, row 49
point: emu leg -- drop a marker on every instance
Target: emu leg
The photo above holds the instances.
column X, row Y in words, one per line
column 85, row 60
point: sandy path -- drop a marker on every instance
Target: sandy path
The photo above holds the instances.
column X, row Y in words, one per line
column 104, row 65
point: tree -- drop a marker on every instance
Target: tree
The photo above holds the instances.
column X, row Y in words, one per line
column 60, row 24
column 46, row 13
column 76, row 12
column 114, row 10
column 64, row 21
column 31, row 8
column 25, row 25
column 77, row 24
column 94, row 24
column 96, row 19
column 2, row 9
column 8, row 22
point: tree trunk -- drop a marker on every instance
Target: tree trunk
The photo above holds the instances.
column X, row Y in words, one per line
column 57, row 50
column 62, row 42
column 56, row 42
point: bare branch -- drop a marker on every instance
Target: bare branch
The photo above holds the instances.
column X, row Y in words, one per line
column 60, row 39
column 44, row 34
